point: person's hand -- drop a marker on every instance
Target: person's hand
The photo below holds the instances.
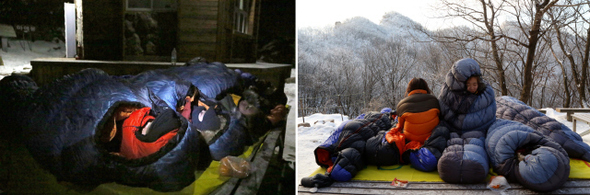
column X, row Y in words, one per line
column 277, row 114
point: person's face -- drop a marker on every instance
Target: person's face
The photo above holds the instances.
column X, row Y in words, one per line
column 246, row 108
column 472, row 84
column 124, row 113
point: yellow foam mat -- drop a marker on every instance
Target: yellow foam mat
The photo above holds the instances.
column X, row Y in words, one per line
column 579, row 169
column 210, row 179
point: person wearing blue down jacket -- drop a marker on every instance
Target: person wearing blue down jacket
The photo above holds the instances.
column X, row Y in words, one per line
column 343, row 152
column 526, row 156
column 513, row 109
column 468, row 109
column 68, row 124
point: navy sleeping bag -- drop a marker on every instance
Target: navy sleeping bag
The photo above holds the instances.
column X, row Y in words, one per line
column 512, row 109
column 468, row 117
column 526, row 156
column 343, row 153
column 63, row 128
column 65, row 119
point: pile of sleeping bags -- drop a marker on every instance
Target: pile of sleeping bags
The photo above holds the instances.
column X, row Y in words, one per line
column 63, row 120
column 468, row 117
column 512, row 109
column 342, row 153
column 362, row 141
column 536, row 150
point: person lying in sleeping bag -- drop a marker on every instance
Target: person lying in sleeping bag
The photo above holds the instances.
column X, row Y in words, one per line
column 196, row 108
column 144, row 134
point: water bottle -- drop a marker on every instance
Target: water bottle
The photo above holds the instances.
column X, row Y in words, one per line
column 173, row 57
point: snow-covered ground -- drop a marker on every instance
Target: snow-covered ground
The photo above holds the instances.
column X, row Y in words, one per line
column 308, row 138
column 290, row 137
column 17, row 58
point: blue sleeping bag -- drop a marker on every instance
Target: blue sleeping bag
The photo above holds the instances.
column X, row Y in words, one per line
column 468, row 117
column 526, row 156
column 512, row 109
column 63, row 129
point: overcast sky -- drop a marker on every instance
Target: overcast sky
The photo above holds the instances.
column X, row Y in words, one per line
column 320, row 13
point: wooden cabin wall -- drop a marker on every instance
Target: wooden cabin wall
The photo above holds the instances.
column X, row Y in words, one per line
column 198, row 29
column 103, row 40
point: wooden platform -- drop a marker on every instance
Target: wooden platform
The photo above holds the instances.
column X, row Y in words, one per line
column 381, row 187
column 571, row 111
column 259, row 160
column 46, row 70
column 582, row 117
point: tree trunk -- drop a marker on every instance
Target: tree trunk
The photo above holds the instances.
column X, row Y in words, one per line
column 585, row 68
column 525, row 94
column 499, row 66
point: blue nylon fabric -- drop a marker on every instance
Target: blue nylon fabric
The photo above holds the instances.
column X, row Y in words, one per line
column 64, row 115
column 340, row 174
column 468, row 117
column 512, row 109
column 464, row 111
column 423, row 160
column 545, row 168
column 232, row 141
column 335, row 136
column 538, row 166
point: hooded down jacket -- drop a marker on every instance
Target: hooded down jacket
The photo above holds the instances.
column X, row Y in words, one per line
column 526, row 156
column 468, row 116
column 464, row 111
column 512, row 109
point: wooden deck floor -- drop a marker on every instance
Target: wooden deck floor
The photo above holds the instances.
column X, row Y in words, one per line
column 439, row 188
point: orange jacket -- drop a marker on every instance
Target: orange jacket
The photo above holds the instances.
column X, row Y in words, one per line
column 133, row 148
column 418, row 115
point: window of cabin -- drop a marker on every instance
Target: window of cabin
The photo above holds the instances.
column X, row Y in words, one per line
column 150, row 28
column 241, row 16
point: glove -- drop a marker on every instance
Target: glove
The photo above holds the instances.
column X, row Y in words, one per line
column 318, row 180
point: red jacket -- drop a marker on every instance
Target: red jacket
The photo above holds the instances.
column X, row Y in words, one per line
column 133, row 148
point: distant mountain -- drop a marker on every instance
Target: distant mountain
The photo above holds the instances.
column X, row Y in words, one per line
column 356, row 33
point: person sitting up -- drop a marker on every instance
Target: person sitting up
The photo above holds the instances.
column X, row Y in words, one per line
column 474, row 85
column 417, row 114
